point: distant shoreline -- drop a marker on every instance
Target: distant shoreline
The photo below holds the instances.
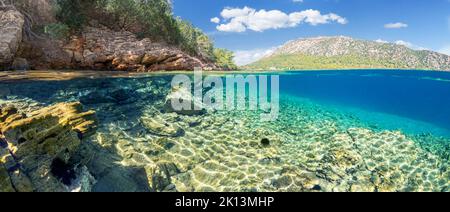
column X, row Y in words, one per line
column 353, row 69
column 61, row 75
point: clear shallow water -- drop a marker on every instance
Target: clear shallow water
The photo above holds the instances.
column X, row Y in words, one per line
column 335, row 132
column 416, row 95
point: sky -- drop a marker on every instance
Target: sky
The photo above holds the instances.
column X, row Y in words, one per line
column 254, row 28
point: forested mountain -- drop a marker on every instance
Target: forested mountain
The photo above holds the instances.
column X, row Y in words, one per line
column 348, row 53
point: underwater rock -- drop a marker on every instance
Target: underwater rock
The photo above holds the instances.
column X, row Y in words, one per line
column 5, row 182
column 6, row 112
column 193, row 121
column 83, row 182
column 159, row 127
column 183, row 95
column 41, row 143
column 118, row 96
column 123, row 95
column 265, row 142
column 96, row 97
column 159, row 176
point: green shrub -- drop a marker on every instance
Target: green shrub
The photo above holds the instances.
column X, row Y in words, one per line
column 224, row 58
column 71, row 13
column 146, row 18
column 57, row 31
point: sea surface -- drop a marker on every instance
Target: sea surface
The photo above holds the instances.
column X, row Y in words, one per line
column 359, row 130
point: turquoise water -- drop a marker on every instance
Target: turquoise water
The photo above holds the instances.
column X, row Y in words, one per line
column 415, row 101
column 337, row 131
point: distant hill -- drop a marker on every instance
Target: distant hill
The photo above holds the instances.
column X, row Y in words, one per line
column 348, row 53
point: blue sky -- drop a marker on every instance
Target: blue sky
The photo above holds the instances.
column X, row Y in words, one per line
column 252, row 28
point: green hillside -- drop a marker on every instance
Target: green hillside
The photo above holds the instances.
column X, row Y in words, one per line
column 305, row 62
column 347, row 53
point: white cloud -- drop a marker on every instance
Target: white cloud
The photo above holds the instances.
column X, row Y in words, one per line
column 297, row 1
column 397, row 25
column 245, row 57
column 215, row 20
column 243, row 19
column 229, row 13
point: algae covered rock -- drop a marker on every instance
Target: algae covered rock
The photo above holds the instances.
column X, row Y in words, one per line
column 37, row 147
column 182, row 97
column 160, row 127
column 160, row 176
column 5, row 182
column 117, row 96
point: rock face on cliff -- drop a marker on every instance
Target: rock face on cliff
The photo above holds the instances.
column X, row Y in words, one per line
column 95, row 48
column 42, row 11
column 35, row 149
column 345, row 52
column 11, row 25
column 99, row 48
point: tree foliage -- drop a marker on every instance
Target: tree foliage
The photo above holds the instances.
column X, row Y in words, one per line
column 224, row 58
column 70, row 12
column 146, row 18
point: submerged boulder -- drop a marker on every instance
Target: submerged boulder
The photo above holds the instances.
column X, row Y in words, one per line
column 96, row 97
column 39, row 146
column 123, row 95
column 160, row 176
column 117, row 96
column 181, row 95
column 159, row 127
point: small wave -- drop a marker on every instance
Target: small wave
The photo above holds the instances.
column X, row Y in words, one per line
column 435, row 79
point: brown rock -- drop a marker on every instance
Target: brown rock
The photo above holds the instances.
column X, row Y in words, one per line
column 100, row 48
column 20, row 64
column 150, row 59
column 11, row 24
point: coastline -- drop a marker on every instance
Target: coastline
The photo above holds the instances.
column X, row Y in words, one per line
column 60, row 75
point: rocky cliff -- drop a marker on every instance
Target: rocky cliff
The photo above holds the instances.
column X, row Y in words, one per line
column 95, row 48
column 11, row 25
column 345, row 52
column 99, row 48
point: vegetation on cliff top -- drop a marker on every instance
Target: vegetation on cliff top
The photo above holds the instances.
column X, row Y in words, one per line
column 146, row 18
column 152, row 19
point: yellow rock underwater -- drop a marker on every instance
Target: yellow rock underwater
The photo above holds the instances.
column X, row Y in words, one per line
column 35, row 149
